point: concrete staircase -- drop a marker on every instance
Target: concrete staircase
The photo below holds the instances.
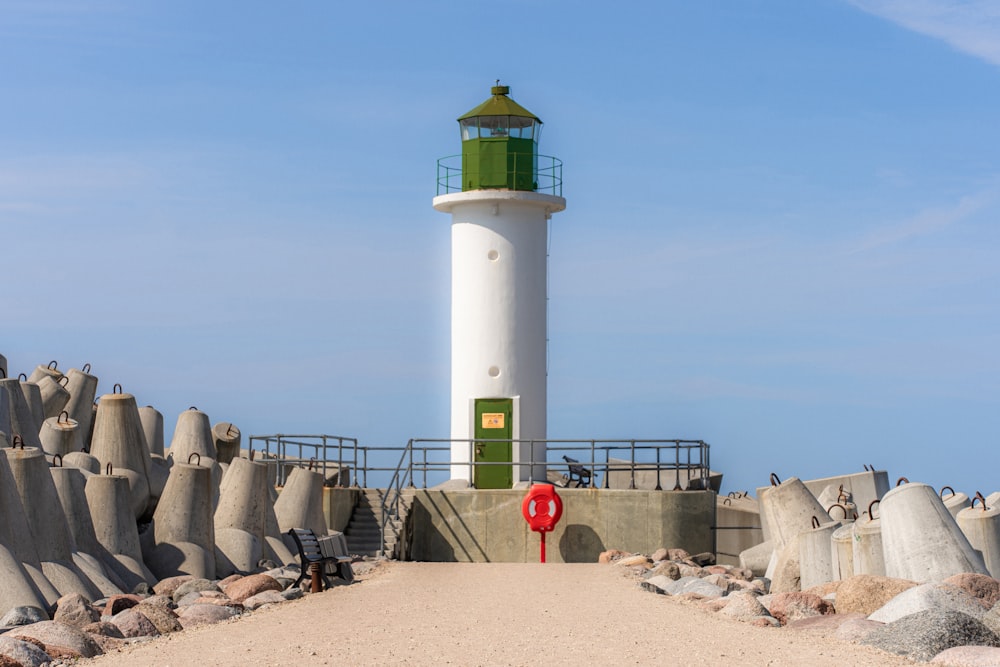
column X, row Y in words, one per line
column 364, row 529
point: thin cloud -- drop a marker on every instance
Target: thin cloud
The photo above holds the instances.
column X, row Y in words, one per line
column 929, row 221
column 969, row 26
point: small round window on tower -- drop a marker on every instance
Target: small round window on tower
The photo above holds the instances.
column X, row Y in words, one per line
column 493, row 255
column 494, row 371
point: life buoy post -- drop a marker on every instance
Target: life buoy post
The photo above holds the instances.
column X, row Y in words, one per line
column 542, row 509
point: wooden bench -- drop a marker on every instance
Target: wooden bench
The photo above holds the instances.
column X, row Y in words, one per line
column 577, row 473
column 312, row 556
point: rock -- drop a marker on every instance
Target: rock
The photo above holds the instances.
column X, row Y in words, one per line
column 133, row 623
column 610, row 556
column 142, row 589
column 715, row 604
column 703, row 559
column 234, row 577
column 694, row 586
column 789, row 607
column 865, row 593
column 984, row 588
column 686, row 570
column 263, row 598
column 20, row 653
column 119, row 603
column 927, row 597
column 923, row 635
column 658, row 555
column 204, row 614
column 103, row 629
column 60, row 640
column 765, row 622
column 251, row 585
column 24, row 615
column 786, row 574
column 170, row 584
column 218, row 602
column 630, row 561
column 191, row 586
column 677, row 554
column 292, row 593
column 161, row 601
column 744, row 606
column 968, row 656
column 74, row 609
column 666, row 568
column 657, row 584
column 164, row 619
column 856, row 628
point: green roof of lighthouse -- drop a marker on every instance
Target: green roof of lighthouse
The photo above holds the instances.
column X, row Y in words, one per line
column 500, row 105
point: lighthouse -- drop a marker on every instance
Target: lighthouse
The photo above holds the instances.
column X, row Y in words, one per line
column 501, row 197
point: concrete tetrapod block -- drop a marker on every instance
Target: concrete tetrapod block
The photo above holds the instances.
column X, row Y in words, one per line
column 22, row 422
column 71, row 484
column 3, row 365
column 119, row 440
column 183, row 525
column 54, row 396
column 300, row 503
column 159, row 471
column 246, row 529
column 981, row 526
column 955, row 502
column 5, row 416
column 192, row 435
column 15, row 533
column 815, row 555
column 47, row 522
column 152, row 427
column 51, row 371
column 921, row 539
column 33, row 397
column 82, row 388
column 789, row 508
column 867, row 548
column 109, row 499
column 60, row 435
column 227, row 441
column 842, row 552
column 82, row 461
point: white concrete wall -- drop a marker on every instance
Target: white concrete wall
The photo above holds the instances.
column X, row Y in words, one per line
column 498, row 313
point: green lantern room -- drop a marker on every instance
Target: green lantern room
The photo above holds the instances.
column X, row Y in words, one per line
column 499, row 145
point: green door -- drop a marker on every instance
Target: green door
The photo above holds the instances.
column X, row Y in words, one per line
column 494, row 421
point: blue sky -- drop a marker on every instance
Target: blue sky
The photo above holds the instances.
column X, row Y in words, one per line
column 781, row 234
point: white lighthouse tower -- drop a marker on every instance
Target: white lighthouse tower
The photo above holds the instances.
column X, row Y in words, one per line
column 500, row 203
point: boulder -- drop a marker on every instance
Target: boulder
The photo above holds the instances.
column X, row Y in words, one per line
column 923, row 635
column 865, row 593
column 22, row 653
column 658, row 555
column 193, row 586
column 119, row 603
column 60, row 640
column 251, row 585
column 163, row 618
column 261, row 599
column 926, row 597
column 74, row 609
column 170, row 584
column 24, row 615
column 133, row 623
column 855, row 629
column 793, row 606
column 103, row 629
column 968, row 656
column 984, row 588
column 744, row 606
column 666, row 568
column 204, row 614
column 611, row 555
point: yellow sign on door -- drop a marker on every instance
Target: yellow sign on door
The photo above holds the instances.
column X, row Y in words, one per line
column 493, row 419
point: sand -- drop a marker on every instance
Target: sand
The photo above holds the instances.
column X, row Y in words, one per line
column 492, row 614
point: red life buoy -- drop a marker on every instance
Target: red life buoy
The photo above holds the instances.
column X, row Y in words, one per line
column 542, row 507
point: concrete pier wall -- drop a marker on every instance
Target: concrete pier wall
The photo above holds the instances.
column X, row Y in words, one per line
column 487, row 525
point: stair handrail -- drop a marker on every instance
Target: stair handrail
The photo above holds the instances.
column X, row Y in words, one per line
column 394, row 491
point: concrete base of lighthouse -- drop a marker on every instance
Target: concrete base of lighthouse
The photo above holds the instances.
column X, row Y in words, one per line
column 499, row 324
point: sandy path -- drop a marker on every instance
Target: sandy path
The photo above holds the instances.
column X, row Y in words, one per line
column 491, row 614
